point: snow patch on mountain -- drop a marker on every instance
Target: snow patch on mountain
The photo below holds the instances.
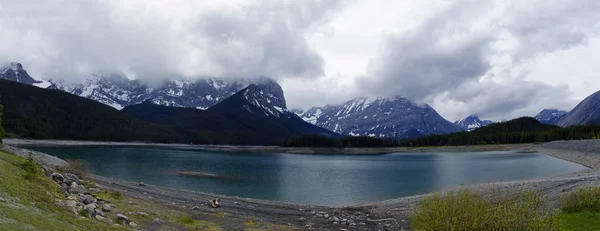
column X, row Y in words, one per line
column 395, row 117
column 550, row 116
column 472, row 122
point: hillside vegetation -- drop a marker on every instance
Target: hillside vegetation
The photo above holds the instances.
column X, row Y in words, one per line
column 520, row 130
column 31, row 112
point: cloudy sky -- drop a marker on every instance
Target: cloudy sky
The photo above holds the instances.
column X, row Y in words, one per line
column 495, row 58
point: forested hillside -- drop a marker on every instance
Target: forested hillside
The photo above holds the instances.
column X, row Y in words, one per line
column 31, row 112
column 520, row 130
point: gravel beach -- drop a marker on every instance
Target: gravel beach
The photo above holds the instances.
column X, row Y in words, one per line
column 384, row 215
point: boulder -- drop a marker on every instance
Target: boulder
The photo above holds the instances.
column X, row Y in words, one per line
column 157, row 221
column 99, row 212
column 88, row 199
column 122, row 217
column 90, row 209
column 70, row 203
column 57, row 177
column 70, row 178
column 132, row 224
column 76, row 188
column 106, row 208
column 100, row 218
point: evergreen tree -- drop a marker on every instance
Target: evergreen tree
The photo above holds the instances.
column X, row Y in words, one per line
column 1, row 128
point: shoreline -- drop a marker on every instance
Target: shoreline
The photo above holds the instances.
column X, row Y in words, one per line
column 279, row 149
column 393, row 214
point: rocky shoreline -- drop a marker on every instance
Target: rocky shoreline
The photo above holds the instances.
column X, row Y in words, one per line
column 384, row 215
column 278, row 149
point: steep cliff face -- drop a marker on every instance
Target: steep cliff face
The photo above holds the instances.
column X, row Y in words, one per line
column 586, row 112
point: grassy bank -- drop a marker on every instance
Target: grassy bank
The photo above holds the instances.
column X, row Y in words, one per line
column 29, row 200
column 467, row 210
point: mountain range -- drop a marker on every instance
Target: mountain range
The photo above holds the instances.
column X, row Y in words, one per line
column 119, row 92
column 246, row 118
column 395, row 117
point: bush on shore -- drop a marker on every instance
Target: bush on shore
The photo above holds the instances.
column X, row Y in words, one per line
column 490, row 210
column 586, row 199
column 77, row 167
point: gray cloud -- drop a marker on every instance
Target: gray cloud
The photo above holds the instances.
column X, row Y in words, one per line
column 66, row 39
column 267, row 40
column 437, row 56
column 453, row 56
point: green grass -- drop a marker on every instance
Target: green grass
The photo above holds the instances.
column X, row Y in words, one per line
column 580, row 209
column 30, row 204
column 581, row 221
column 490, row 210
column 196, row 225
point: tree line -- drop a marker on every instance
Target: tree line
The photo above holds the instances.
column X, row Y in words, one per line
column 521, row 130
column 312, row 140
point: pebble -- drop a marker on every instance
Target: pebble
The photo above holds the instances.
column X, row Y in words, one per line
column 143, row 214
column 133, row 224
column 100, row 218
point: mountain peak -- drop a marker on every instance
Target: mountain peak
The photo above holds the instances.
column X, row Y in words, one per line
column 472, row 122
column 550, row 116
column 395, row 117
column 16, row 66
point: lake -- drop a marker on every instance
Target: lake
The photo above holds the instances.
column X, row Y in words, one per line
column 309, row 179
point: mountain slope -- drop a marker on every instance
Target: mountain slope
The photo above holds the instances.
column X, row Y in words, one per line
column 15, row 72
column 472, row 122
column 550, row 116
column 586, row 112
column 380, row 117
column 252, row 108
column 247, row 118
column 32, row 112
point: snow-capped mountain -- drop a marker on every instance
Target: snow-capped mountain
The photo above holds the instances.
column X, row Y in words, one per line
column 395, row 117
column 472, row 122
column 550, row 116
column 586, row 112
column 118, row 91
column 15, row 72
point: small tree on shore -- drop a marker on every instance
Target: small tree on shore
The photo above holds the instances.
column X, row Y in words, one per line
column 1, row 129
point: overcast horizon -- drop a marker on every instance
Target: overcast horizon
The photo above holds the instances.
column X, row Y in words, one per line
column 499, row 59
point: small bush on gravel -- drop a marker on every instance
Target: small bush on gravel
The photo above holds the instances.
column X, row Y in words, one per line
column 467, row 210
column 585, row 199
column 77, row 167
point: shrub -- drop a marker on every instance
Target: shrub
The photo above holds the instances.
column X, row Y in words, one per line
column 77, row 167
column 583, row 199
column 467, row 210
column 30, row 169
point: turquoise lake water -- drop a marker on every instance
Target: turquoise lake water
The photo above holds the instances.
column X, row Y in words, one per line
column 310, row 179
